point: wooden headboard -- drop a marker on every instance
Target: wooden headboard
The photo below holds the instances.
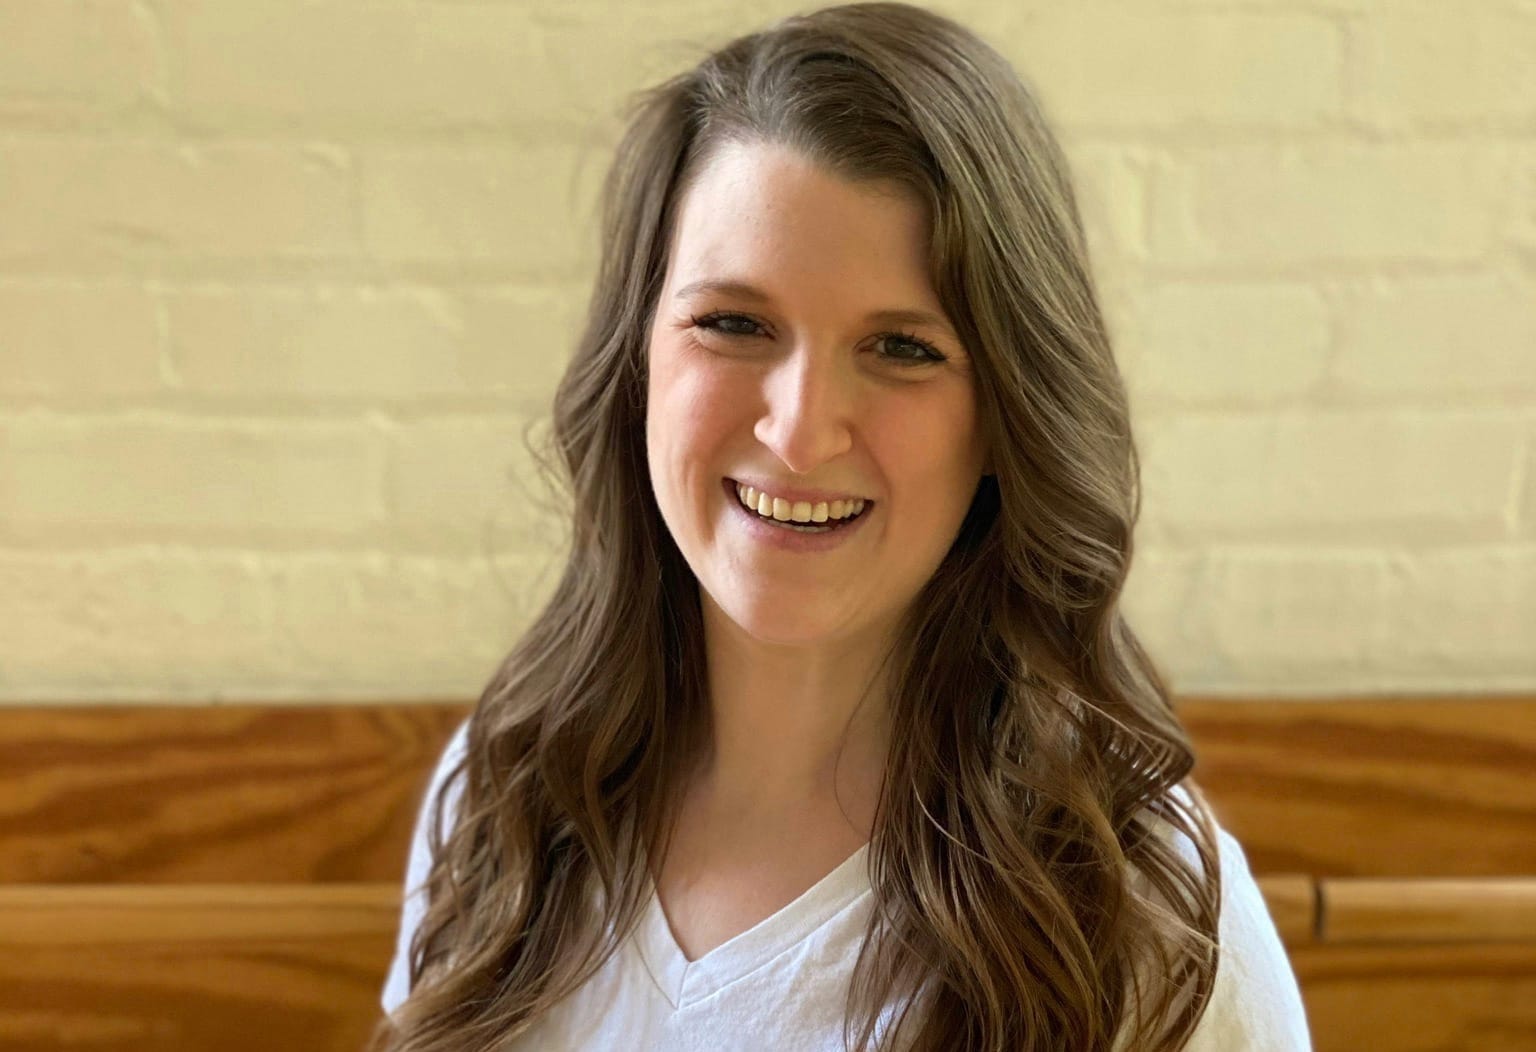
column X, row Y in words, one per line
column 227, row 877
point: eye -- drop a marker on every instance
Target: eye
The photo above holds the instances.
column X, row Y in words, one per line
column 727, row 324
column 907, row 344
column 903, row 348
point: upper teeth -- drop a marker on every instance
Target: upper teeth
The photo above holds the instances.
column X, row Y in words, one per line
column 800, row 510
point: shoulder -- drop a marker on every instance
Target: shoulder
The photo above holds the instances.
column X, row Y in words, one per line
column 419, row 862
column 448, row 760
column 1256, row 1004
column 453, row 752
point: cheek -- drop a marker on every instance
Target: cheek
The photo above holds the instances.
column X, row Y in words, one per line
column 929, row 448
column 931, row 461
column 688, row 408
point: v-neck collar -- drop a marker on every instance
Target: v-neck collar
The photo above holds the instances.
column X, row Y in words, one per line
column 683, row 982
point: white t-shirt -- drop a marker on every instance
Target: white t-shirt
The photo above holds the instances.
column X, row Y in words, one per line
column 782, row 984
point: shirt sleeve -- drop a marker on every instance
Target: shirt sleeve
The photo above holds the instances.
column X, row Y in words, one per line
column 413, row 903
column 1256, row 1004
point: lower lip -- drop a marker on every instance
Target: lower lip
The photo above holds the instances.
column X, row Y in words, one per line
column 791, row 540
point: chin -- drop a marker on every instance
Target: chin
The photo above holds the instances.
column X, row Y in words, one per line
column 779, row 620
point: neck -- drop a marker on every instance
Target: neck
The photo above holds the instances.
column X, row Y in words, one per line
column 794, row 730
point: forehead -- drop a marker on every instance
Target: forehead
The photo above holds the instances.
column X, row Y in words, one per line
column 766, row 214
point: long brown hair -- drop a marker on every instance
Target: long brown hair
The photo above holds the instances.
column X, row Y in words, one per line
column 1026, row 894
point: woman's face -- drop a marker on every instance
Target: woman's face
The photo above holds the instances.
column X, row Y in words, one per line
column 795, row 348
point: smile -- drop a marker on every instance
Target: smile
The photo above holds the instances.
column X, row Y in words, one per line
column 814, row 529
column 777, row 509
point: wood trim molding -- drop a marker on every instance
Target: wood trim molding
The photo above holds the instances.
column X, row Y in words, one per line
column 98, row 915
column 1378, row 911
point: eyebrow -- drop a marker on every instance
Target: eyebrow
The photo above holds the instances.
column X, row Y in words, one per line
column 890, row 316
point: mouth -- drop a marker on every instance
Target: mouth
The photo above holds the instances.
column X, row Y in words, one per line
column 811, row 527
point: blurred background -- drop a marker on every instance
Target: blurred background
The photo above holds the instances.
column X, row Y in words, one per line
column 284, row 285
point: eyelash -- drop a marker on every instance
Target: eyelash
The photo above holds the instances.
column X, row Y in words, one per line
column 933, row 355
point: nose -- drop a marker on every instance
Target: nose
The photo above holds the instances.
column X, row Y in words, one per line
column 808, row 405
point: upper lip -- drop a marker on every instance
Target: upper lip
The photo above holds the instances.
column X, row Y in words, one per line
column 795, row 494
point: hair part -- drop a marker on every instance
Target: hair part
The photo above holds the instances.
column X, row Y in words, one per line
column 1029, row 890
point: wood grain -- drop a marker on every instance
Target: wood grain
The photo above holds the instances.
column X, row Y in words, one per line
column 1379, row 787
column 1293, row 903
column 94, row 915
column 192, row 968
column 184, row 878
column 1347, row 787
column 1440, row 997
column 1491, row 909
column 191, row 794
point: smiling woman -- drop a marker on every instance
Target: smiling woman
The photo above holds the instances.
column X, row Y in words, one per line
column 833, row 735
column 808, row 390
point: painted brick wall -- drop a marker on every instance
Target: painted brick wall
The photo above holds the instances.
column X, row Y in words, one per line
column 283, row 283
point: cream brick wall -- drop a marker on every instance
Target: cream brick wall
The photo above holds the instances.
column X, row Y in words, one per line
column 283, row 283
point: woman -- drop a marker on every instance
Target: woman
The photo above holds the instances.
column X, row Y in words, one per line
column 832, row 734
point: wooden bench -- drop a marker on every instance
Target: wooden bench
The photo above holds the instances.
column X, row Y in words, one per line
column 180, row 878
